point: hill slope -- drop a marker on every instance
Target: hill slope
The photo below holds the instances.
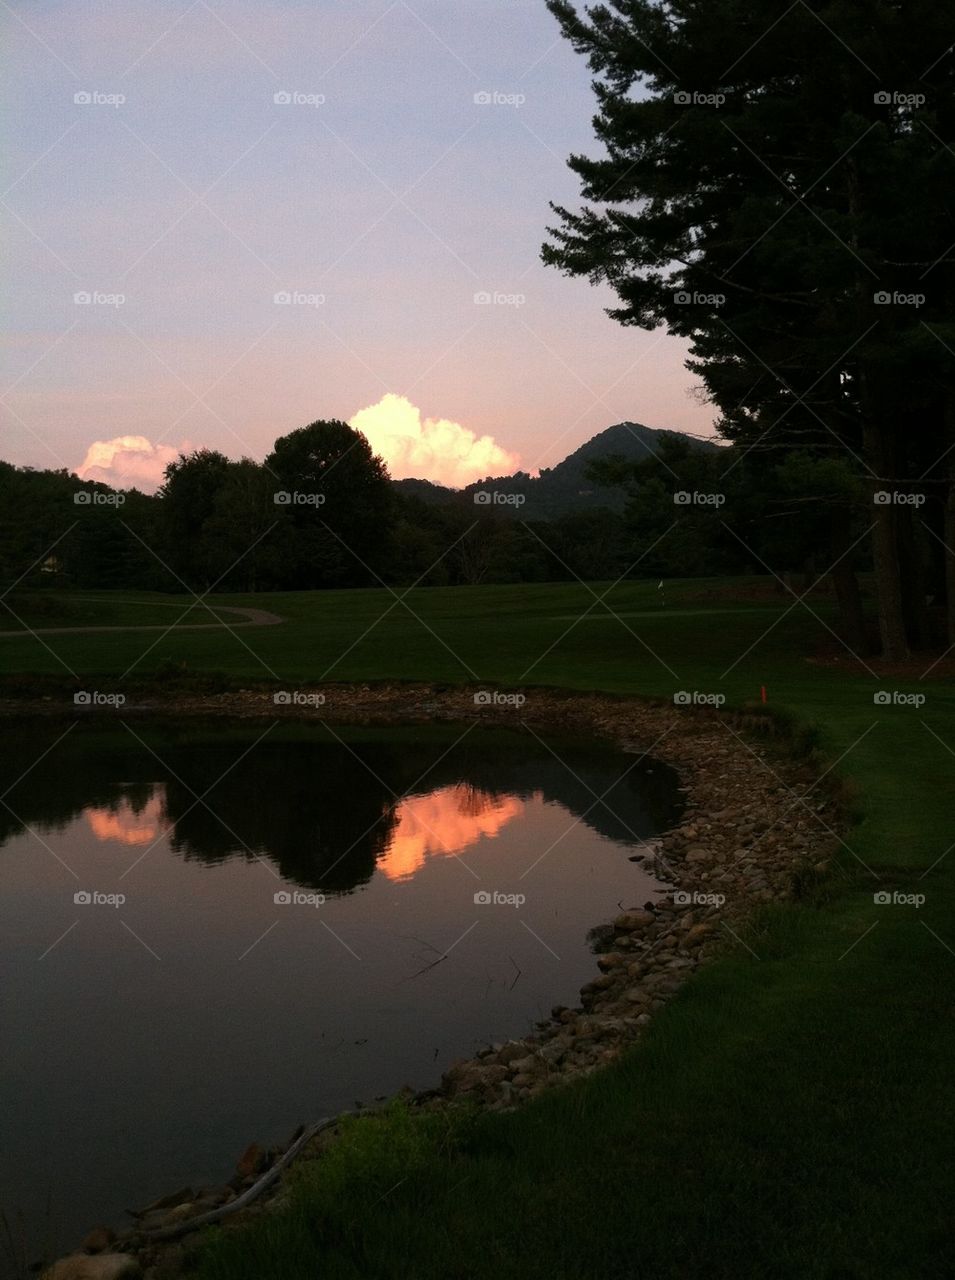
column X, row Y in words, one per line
column 565, row 488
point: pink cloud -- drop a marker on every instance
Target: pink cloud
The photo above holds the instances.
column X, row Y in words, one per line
column 435, row 449
column 127, row 462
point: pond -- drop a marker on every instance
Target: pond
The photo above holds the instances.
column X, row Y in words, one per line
column 212, row 933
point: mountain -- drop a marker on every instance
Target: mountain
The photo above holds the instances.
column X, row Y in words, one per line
column 563, row 489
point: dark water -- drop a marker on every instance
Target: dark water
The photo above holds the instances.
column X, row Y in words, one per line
column 148, row 1041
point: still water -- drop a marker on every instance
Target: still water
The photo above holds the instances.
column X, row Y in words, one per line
column 209, row 935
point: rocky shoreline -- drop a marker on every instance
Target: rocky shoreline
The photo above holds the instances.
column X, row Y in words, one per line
column 747, row 836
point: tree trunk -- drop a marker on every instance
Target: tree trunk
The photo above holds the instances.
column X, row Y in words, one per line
column 846, row 585
column 914, row 579
column 885, row 549
column 949, row 528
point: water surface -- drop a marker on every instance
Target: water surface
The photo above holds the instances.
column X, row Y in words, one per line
column 211, row 934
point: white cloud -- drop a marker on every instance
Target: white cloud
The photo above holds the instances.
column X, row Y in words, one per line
column 126, row 462
column 433, row 449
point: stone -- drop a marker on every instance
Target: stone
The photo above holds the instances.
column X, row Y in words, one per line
column 251, row 1161
column 85, row 1266
column 181, row 1213
column 528, row 1066
column 610, row 961
column 511, row 1052
column 634, row 920
column 98, row 1240
column 697, row 935
column 696, row 853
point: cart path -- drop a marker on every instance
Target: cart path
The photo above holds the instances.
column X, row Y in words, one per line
column 250, row 618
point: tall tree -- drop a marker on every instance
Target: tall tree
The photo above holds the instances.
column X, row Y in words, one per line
column 336, row 504
column 756, row 198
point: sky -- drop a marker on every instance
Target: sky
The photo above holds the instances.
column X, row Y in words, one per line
column 226, row 219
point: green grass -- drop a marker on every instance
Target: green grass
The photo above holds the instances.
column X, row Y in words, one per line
column 787, row 1116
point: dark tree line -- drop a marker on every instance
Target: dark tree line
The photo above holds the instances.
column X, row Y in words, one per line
column 777, row 188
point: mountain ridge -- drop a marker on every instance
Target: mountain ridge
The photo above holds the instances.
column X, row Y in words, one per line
column 563, row 489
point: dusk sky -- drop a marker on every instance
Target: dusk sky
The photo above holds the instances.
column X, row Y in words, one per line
column 183, row 198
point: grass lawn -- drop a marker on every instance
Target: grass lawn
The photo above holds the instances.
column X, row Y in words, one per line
column 789, row 1114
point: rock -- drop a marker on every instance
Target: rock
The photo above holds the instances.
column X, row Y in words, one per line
column 697, row 935
column 98, row 1240
column 251, row 1162
column 511, row 1052
column 610, row 961
column 528, row 1066
column 696, row 853
column 181, row 1213
column 634, row 920
column 84, row 1266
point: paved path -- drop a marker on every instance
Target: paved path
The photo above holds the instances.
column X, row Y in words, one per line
column 250, row 618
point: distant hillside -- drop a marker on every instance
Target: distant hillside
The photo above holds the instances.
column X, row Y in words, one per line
column 565, row 488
